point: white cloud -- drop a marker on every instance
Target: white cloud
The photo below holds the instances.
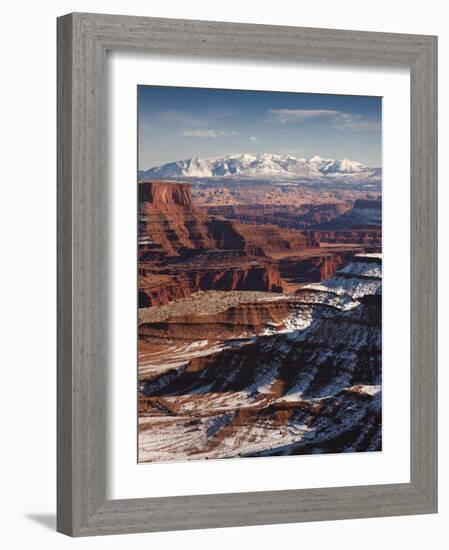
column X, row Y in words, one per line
column 341, row 120
column 356, row 123
column 207, row 133
column 200, row 133
column 254, row 138
column 299, row 115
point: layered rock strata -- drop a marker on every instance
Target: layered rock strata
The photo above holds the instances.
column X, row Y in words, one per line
column 311, row 387
column 183, row 250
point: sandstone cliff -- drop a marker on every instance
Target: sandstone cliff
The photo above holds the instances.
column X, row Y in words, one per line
column 183, row 249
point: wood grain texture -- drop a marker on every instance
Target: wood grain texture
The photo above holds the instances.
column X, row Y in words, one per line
column 424, row 276
column 64, row 277
column 83, row 40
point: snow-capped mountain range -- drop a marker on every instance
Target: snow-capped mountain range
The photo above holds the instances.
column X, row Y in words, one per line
column 265, row 167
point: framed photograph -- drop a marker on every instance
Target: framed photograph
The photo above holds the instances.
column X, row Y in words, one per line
column 247, row 250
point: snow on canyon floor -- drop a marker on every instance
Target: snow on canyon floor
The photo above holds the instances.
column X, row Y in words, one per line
column 308, row 384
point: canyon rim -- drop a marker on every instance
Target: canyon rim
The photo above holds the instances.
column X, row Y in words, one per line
column 259, row 274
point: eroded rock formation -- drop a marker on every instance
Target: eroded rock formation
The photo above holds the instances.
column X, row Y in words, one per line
column 183, row 249
column 283, row 215
column 313, row 386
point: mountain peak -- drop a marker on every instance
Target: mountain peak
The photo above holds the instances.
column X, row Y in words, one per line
column 315, row 158
column 264, row 166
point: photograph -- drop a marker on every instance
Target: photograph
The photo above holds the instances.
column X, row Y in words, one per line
column 232, row 221
column 259, row 273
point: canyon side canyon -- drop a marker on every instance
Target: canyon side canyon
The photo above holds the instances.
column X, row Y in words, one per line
column 259, row 318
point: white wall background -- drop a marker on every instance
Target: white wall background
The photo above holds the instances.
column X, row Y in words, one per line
column 28, row 241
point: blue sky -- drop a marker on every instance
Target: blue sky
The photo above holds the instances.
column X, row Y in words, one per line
column 179, row 123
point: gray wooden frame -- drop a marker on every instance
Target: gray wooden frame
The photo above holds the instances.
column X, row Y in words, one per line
column 83, row 40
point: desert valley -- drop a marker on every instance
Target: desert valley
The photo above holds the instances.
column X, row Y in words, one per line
column 259, row 280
